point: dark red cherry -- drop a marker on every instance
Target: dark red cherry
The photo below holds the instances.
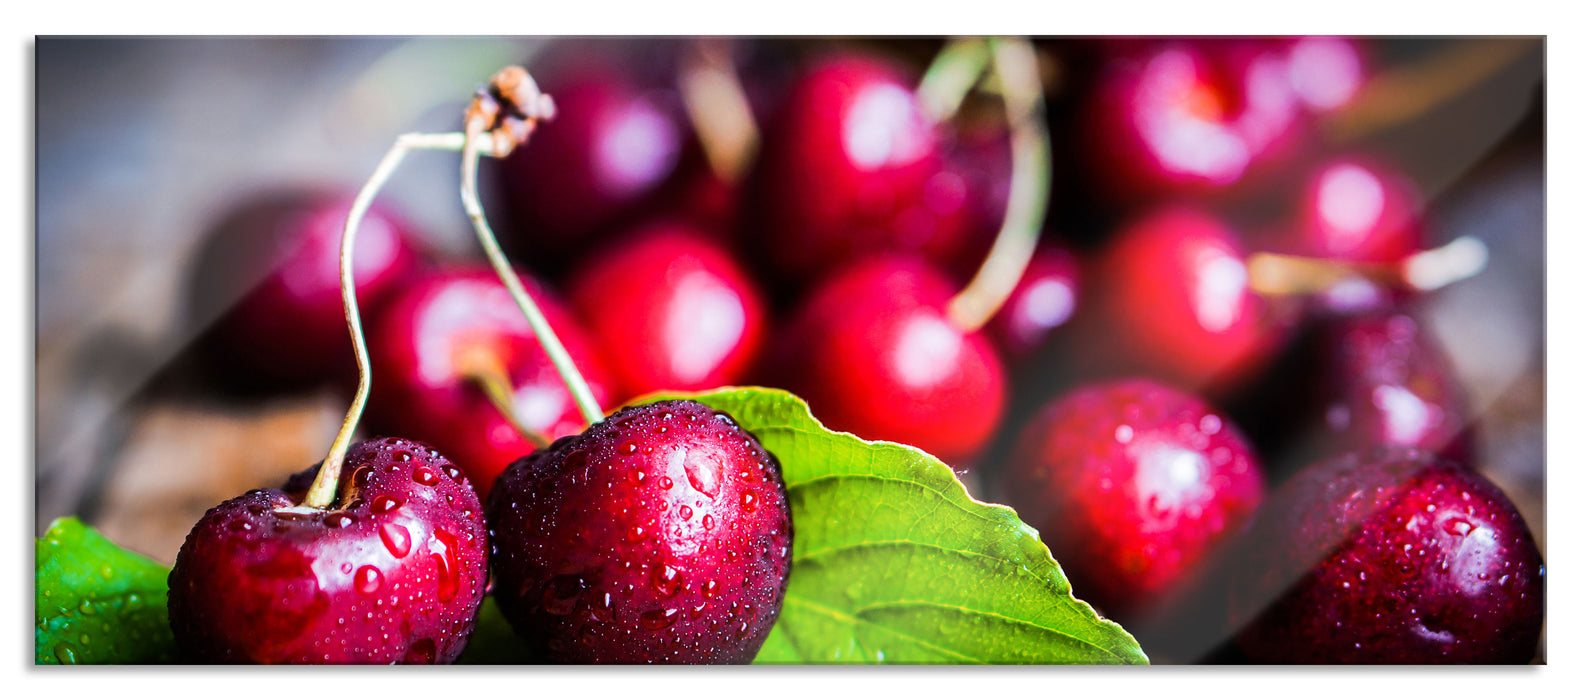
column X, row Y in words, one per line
column 1390, row 557
column 613, row 143
column 873, row 353
column 1172, row 299
column 435, row 336
column 1044, row 300
column 1132, row 484
column 268, row 278
column 660, row 535
column 850, row 167
column 394, row 574
column 671, row 309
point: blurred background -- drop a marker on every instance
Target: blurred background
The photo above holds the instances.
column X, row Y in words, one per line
column 150, row 150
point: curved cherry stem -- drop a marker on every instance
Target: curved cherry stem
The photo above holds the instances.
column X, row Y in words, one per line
column 322, row 492
column 716, row 103
column 1016, row 65
column 558, row 356
column 1279, row 274
column 485, row 369
column 955, row 69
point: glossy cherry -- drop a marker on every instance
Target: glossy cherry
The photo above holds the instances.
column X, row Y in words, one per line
column 428, row 347
column 1356, row 210
column 1390, row 557
column 1132, row 484
column 660, row 535
column 671, row 309
column 850, row 166
column 1172, row 299
column 393, row 574
column 873, row 353
column 1044, row 300
column 1182, row 116
column 269, row 279
column 615, row 143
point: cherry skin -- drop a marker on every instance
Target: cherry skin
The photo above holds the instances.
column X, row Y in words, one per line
column 1359, row 211
column 672, row 310
column 660, row 535
column 873, row 353
column 1132, row 484
column 1182, row 116
column 614, row 144
column 850, row 167
column 275, row 261
column 428, row 343
column 1045, row 298
column 1172, row 299
column 393, row 575
column 1390, row 557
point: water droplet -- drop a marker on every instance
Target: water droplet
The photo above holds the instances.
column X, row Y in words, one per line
column 1458, row 527
column 396, row 539
column 686, row 512
column 666, row 483
column 659, row 619
column 65, row 653
column 443, row 550
column 667, row 580
column 339, row 519
column 635, row 533
column 708, row 522
column 386, row 503
column 1123, row 434
column 749, row 504
column 425, row 476
column 636, row 476
column 368, row 580
column 346, row 568
column 701, row 473
column 626, row 449
column 711, row 588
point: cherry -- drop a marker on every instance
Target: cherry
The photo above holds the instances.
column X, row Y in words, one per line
column 1044, row 300
column 393, row 574
column 269, row 278
column 614, row 144
column 1186, row 116
column 873, row 353
column 850, row 166
column 1352, row 382
column 1325, row 72
column 1390, row 556
column 1132, row 485
column 1359, row 211
column 1172, row 299
column 672, row 310
column 442, row 336
column 660, row 535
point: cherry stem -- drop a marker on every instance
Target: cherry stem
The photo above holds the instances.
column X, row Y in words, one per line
column 952, row 74
column 1405, row 93
column 1278, row 274
column 558, row 356
column 1016, row 65
column 322, row 492
column 716, row 102
column 486, row 370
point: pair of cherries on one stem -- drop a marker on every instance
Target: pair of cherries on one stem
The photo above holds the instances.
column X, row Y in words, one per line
column 383, row 557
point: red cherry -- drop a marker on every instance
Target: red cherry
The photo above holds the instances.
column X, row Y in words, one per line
column 1186, row 116
column 1044, row 300
column 394, row 576
column 1172, row 298
column 1356, row 210
column 269, row 280
column 671, row 309
column 850, row 167
column 873, row 353
column 423, row 345
column 1132, row 485
column 1326, row 72
column 1390, row 557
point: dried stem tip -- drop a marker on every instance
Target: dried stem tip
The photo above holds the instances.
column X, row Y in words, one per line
column 508, row 109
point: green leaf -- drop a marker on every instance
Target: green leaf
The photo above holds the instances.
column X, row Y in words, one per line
column 892, row 561
column 95, row 603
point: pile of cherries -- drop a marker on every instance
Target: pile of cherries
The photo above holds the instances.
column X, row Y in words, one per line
column 1179, row 379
